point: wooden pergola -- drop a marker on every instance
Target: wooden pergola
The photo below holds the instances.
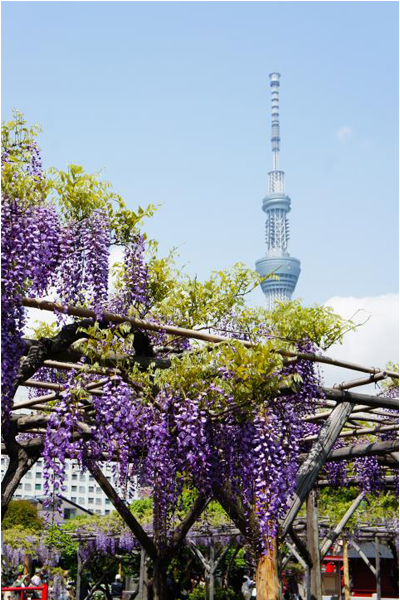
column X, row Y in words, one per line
column 342, row 413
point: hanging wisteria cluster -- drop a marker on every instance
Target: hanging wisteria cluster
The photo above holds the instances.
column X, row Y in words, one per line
column 82, row 276
column 29, row 254
column 175, row 441
column 368, row 473
column 336, row 471
column 217, row 429
column 15, row 555
column 42, row 252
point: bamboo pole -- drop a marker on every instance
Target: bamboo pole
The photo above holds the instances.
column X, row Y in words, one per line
column 374, row 377
column 90, row 387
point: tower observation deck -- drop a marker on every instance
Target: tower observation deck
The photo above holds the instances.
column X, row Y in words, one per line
column 276, row 205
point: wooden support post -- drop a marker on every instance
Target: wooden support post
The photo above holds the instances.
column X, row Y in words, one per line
column 27, row 564
column 363, row 556
column 141, row 572
column 211, row 570
column 311, row 467
column 378, row 569
column 267, row 581
column 78, row 572
column 313, row 547
column 332, row 537
column 346, row 574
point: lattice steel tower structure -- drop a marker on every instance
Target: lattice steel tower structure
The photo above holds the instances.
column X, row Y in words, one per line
column 276, row 205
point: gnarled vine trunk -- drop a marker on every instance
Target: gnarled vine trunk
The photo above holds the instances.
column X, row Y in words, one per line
column 160, row 579
column 267, row 580
column 20, row 463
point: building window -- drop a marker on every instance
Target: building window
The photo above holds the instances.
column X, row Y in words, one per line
column 82, row 489
column 107, row 512
column 98, row 500
column 38, row 474
column 107, row 501
column 81, row 500
column 20, row 486
column 28, row 486
column 74, row 476
column 38, row 486
column 28, row 476
column 73, row 498
column 91, row 500
column 73, row 488
column 91, row 488
column 82, row 477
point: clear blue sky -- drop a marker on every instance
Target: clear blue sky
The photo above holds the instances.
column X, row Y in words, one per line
column 171, row 101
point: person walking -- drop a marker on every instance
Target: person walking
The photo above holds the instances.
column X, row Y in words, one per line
column 117, row 588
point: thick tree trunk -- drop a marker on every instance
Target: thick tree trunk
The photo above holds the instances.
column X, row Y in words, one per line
column 267, row 581
column 19, row 465
column 160, row 579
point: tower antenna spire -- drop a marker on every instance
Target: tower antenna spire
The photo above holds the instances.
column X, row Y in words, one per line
column 275, row 131
column 276, row 205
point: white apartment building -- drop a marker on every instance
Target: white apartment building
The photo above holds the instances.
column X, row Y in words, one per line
column 79, row 488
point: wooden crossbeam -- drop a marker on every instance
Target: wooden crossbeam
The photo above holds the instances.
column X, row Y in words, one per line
column 357, row 432
column 362, row 555
column 334, row 534
column 315, row 460
column 368, row 449
column 188, row 333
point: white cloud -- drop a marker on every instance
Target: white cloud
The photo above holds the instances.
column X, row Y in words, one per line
column 344, row 133
column 372, row 344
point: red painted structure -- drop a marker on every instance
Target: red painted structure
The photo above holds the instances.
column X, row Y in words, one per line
column 22, row 590
column 363, row 582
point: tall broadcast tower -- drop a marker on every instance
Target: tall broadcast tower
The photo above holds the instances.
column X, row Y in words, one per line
column 276, row 205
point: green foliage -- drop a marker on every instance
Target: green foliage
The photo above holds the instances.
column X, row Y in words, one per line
column 76, row 193
column 333, row 504
column 22, row 514
column 18, row 140
column 219, row 594
column 192, row 304
column 19, row 537
column 319, row 324
column 41, row 329
column 392, row 383
column 79, row 194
